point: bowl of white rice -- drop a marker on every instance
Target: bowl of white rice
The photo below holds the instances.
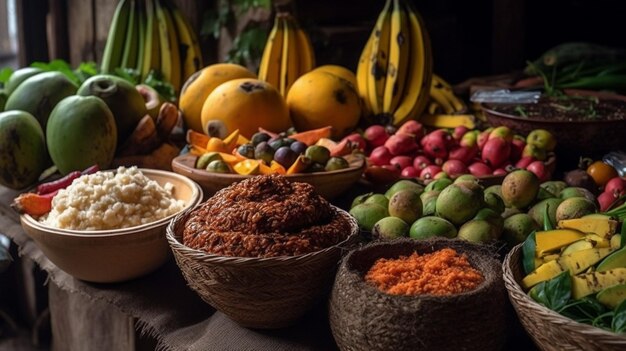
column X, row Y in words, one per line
column 110, row 226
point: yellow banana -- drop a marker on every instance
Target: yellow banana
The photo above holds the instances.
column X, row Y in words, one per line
column 398, row 58
column 289, row 61
column 129, row 57
column 189, row 57
column 439, row 96
column 378, row 59
column 434, row 107
column 114, row 47
column 362, row 74
column 269, row 69
column 438, row 81
column 419, row 72
column 305, row 51
column 152, row 56
column 446, row 92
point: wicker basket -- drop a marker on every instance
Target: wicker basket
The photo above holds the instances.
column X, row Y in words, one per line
column 264, row 293
column 550, row 330
column 364, row 318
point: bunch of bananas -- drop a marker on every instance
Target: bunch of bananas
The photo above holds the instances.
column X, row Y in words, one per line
column 148, row 35
column 443, row 99
column 395, row 68
column 288, row 53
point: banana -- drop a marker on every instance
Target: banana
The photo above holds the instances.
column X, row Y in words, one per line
column 170, row 57
column 269, row 69
column 445, row 92
column 129, row 58
column 152, row 56
column 439, row 96
column 378, row 59
column 398, row 58
column 191, row 57
column 434, row 107
column 141, row 43
column 114, row 48
column 305, row 51
column 289, row 61
column 362, row 74
column 419, row 72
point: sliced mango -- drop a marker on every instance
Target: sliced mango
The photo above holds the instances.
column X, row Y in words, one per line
column 217, row 144
column 310, row 137
column 277, row 168
column 241, row 140
column 231, row 140
column 300, row 165
column 579, row 261
column 599, row 241
column 616, row 241
column 590, row 283
column 231, row 159
column 551, row 240
column 197, row 150
column 265, row 169
column 247, row 167
column 601, row 226
column 552, row 257
column 544, row 272
column 327, row 143
column 197, row 139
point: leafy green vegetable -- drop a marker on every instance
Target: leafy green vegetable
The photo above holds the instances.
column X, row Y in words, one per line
column 547, row 223
column 5, row 74
column 78, row 76
column 556, row 292
column 618, row 324
column 586, row 310
column 247, row 46
column 528, row 253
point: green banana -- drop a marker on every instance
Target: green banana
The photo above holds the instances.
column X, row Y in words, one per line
column 141, row 43
column 152, row 56
column 129, row 58
column 114, row 48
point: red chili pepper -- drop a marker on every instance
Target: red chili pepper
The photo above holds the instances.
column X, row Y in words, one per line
column 91, row 170
column 34, row 204
column 60, row 183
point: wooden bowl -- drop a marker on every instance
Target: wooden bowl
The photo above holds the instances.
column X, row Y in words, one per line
column 574, row 138
column 107, row 256
column 327, row 184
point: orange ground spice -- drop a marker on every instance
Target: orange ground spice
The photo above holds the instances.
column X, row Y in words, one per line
column 442, row 272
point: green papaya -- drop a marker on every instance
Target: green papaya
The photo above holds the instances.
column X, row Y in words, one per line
column 39, row 94
column 81, row 132
column 122, row 98
column 20, row 76
column 23, row 154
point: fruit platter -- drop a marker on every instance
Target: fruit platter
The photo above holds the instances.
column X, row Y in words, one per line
column 377, row 187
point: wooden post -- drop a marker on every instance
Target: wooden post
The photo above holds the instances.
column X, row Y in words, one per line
column 31, row 26
column 57, row 30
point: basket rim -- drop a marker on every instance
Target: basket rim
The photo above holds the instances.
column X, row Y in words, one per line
column 407, row 241
column 178, row 246
column 517, row 296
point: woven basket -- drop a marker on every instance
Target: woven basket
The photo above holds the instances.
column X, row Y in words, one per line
column 364, row 318
column 550, row 330
column 264, row 293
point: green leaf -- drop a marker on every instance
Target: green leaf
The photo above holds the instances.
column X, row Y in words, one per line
column 129, row 74
column 5, row 74
column 58, row 66
column 156, row 81
column 528, row 253
column 618, row 324
column 547, row 223
column 556, row 292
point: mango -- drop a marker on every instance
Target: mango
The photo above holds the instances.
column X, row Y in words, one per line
column 578, row 261
column 403, row 184
column 390, row 228
column 368, row 214
column 121, row 97
column 550, row 240
column 517, row 227
column 519, row 188
column 39, row 94
column 615, row 260
column 431, row 226
column 612, row 296
column 23, row 154
column 20, row 76
column 81, row 132
column 479, row 231
column 460, row 202
column 544, row 272
column 574, row 207
column 406, row 205
column 604, row 227
column 591, row 283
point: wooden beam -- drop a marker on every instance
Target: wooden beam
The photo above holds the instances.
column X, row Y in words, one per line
column 31, row 27
column 57, row 30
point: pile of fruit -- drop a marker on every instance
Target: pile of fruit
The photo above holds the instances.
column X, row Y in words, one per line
column 579, row 270
column 599, row 178
column 269, row 153
column 410, row 152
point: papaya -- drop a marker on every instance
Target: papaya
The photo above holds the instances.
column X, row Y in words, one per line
column 198, row 87
column 19, row 76
column 246, row 104
column 39, row 94
column 121, row 97
column 23, row 154
column 81, row 132
column 318, row 99
column 152, row 98
column 340, row 71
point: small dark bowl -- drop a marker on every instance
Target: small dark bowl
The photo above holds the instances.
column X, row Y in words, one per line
column 574, row 138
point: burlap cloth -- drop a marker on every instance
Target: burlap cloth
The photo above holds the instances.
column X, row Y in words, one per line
column 168, row 310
